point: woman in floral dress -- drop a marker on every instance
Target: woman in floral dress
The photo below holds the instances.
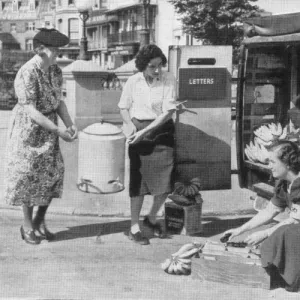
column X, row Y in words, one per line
column 35, row 167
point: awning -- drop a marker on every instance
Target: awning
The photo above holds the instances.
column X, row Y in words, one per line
column 273, row 25
column 287, row 38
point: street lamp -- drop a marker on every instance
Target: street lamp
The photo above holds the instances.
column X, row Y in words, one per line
column 83, row 7
column 144, row 33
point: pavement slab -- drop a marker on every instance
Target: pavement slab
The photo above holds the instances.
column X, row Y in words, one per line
column 92, row 258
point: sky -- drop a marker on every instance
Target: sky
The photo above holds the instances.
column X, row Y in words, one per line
column 279, row 6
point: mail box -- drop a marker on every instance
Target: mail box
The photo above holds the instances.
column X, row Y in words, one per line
column 203, row 84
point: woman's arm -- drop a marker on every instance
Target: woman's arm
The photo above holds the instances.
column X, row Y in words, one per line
column 63, row 113
column 43, row 121
column 287, row 221
column 40, row 119
column 161, row 119
column 263, row 217
column 128, row 126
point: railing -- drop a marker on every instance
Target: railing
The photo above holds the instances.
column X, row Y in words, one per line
column 126, row 37
column 95, row 45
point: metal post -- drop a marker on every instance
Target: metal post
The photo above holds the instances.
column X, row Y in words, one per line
column 83, row 55
column 145, row 32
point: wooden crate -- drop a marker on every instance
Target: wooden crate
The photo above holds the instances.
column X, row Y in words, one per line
column 233, row 266
column 184, row 220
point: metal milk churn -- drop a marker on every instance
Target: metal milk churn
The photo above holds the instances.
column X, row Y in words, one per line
column 101, row 159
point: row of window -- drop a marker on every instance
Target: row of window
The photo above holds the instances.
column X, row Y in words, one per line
column 98, row 3
column 17, row 5
column 29, row 26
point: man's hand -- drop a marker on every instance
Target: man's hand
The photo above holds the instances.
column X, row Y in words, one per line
column 256, row 237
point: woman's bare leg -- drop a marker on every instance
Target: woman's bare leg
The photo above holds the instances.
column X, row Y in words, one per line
column 27, row 212
column 136, row 204
column 158, row 202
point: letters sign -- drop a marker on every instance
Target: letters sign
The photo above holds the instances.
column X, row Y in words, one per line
column 203, row 83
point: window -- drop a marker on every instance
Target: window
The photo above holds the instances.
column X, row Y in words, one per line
column 58, row 2
column 103, row 3
column 47, row 24
column 29, row 26
column 15, row 6
column 29, row 45
column 1, row 26
column 71, row 2
column 31, row 5
column 59, row 25
column 13, row 27
column 73, row 29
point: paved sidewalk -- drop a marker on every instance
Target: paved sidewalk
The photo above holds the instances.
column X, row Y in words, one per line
column 224, row 202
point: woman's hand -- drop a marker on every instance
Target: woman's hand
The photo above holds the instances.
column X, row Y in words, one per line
column 135, row 138
column 73, row 131
column 65, row 135
column 129, row 129
column 233, row 232
column 256, row 237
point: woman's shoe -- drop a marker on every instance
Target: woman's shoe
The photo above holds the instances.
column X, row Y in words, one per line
column 43, row 231
column 156, row 228
column 29, row 237
column 138, row 238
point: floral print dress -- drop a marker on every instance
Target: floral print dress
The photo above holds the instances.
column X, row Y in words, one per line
column 35, row 167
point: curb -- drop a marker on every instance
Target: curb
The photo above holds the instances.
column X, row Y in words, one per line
column 88, row 213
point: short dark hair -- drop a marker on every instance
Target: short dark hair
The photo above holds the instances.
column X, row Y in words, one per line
column 146, row 54
column 288, row 152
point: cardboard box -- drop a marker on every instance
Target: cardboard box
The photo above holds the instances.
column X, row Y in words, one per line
column 184, row 220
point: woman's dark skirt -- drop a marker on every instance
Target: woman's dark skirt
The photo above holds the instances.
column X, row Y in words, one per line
column 280, row 255
column 152, row 160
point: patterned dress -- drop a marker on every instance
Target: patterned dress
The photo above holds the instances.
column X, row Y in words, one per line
column 35, row 167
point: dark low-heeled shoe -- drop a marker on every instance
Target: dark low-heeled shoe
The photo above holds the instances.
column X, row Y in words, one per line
column 138, row 238
column 156, row 228
column 43, row 231
column 29, row 236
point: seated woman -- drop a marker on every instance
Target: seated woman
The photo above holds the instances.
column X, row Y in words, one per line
column 280, row 251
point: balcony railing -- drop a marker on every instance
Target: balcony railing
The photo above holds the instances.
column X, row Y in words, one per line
column 126, row 37
column 96, row 45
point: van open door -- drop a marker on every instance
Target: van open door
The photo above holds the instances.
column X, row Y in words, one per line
column 268, row 82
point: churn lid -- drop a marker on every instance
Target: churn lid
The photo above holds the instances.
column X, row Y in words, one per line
column 102, row 129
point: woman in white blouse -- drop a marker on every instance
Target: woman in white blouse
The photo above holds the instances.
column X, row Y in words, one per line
column 147, row 105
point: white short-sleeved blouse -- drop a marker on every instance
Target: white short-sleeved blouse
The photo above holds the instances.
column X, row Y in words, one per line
column 147, row 102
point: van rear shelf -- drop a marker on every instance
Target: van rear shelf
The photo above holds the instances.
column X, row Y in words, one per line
column 263, row 190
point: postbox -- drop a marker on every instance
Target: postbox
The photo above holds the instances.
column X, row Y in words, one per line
column 203, row 127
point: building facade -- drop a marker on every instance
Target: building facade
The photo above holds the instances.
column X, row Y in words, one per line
column 68, row 22
column 114, row 30
column 20, row 19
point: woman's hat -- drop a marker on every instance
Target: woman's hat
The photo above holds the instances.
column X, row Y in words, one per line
column 50, row 38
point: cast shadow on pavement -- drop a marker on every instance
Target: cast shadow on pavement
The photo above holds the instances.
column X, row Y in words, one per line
column 214, row 225
column 99, row 229
column 91, row 230
column 211, row 226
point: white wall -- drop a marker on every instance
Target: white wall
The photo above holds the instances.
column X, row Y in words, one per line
column 165, row 24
